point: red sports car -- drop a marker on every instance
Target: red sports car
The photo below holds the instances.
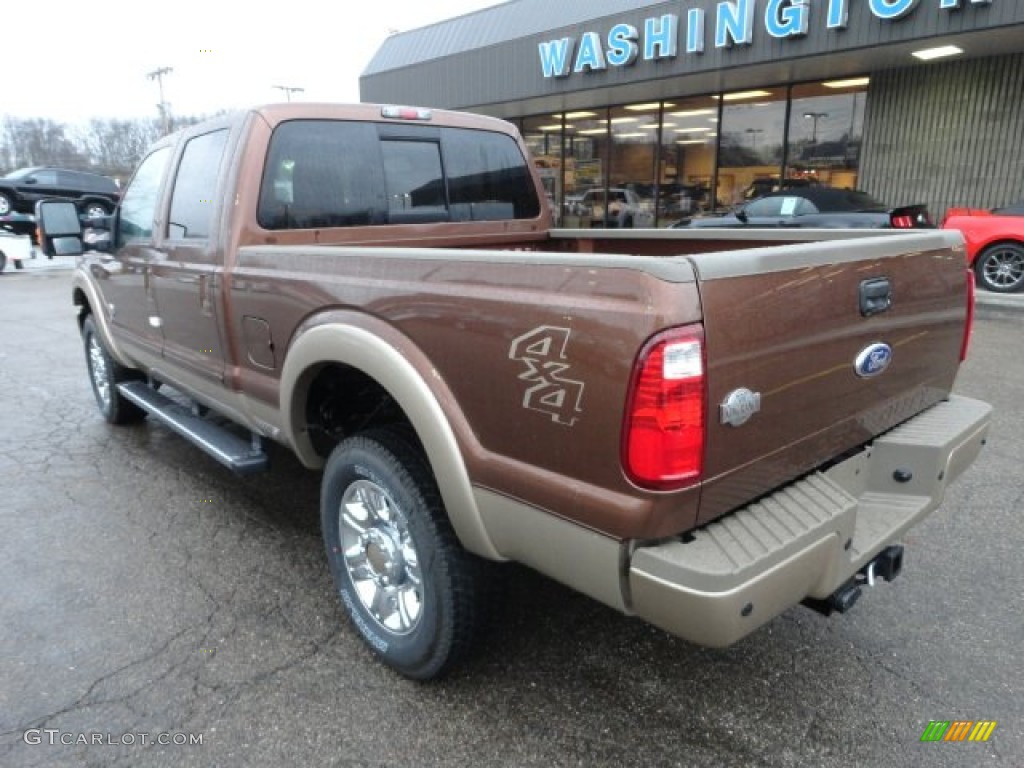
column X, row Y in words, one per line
column 995, row 244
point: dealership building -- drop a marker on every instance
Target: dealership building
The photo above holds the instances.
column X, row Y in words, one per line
column 700, row 104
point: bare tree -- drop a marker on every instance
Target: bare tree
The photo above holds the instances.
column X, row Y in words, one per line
column 111, row 147
column 38, row 141
column 114, row 147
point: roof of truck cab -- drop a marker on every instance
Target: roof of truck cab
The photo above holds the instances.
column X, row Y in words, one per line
column 305, row 110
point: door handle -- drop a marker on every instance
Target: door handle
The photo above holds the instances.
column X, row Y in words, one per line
column 875, row 296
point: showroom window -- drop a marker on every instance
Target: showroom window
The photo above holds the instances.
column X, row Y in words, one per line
column 586, row 161
column 632, row 192
column 826, row 128
column 751, row 148
column 686, row 164
column 654, row 163
column 543, row 137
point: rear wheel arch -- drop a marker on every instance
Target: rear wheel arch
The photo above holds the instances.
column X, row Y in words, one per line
column 980, row 246
column 379, row 359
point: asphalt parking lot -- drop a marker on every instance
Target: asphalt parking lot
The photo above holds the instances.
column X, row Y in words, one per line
column 146, row 592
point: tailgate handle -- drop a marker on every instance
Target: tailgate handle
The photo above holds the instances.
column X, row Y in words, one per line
column 875, row 296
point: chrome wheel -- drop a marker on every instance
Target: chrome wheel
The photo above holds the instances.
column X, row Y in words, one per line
column 5, row 205
column 99, row 371
column 380, row 557
column 414, row 596
column 104, row 374
column 1001, row 268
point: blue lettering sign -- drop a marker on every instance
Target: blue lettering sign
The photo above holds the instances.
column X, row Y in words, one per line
column 695, row 30
column 554, row 57
column 786, row 18
column 622, row 47
column 838, row 14
column 735, row 23
column 590, row 56
column 888, row 10
column 661, row 37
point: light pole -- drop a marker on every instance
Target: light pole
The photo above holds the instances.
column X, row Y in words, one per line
column 753, row 136
column 289, row 90
column 815, row 116
column 158, row 75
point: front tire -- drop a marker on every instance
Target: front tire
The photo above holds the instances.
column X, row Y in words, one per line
column 1000, row 267
column 412, row 593
column 104, row 374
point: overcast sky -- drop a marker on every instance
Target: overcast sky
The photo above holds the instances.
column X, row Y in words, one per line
column 70, row 61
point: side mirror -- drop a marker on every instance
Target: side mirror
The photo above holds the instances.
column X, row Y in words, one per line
column 741, row 214
column 60, row 231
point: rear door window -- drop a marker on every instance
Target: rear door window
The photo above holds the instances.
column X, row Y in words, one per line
column 195, row 186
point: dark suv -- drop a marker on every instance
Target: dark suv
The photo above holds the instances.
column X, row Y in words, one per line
column 94, row 195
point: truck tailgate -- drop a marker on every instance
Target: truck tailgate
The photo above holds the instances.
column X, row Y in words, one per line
column 807, row 333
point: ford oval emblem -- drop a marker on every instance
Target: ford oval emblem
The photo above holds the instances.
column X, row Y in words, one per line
column 873, row 360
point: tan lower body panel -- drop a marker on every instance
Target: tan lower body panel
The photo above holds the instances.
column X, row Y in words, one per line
column 579, row 558
column 808, row 538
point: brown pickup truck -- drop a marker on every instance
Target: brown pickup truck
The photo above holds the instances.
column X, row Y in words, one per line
column 701, row 429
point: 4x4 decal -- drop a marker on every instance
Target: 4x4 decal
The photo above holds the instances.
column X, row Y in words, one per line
column 543, row 352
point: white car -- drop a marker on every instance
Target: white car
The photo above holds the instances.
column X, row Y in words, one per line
column 14, row 248
column 625, row 208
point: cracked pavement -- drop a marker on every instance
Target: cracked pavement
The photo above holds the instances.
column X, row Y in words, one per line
column 145, row 589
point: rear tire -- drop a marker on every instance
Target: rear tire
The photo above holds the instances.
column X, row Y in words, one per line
column 6, row 204
column 1000, row 267
column 104, row 374
column 3, row 261
column 412, row 593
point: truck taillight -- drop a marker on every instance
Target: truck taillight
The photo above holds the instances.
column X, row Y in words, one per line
column 903, row 222
column 663, row 434
column 969, row 321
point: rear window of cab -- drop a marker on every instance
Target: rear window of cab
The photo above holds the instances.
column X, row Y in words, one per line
column 332, row 173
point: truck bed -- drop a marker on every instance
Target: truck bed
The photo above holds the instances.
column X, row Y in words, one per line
column 783, row 324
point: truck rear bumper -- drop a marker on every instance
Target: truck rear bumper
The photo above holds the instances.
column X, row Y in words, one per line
column 809, row 538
